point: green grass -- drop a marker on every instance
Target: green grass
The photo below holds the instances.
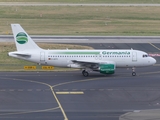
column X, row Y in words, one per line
column 86, row 1
column 12, row 64
column 47, row 20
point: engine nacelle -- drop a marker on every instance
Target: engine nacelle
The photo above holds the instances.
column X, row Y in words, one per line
column 74, row 66
column 107, row 68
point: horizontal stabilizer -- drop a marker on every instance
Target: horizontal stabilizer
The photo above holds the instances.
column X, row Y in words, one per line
column 19, row 54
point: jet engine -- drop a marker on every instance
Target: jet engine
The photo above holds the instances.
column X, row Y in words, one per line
column 107, row 68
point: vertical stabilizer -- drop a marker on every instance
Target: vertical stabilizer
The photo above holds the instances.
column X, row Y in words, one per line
column 22, row 40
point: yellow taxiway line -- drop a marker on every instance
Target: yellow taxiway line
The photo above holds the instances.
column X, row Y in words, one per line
column 51, row 88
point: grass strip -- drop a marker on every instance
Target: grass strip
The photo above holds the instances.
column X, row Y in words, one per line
column 67, row 20
column 87, row 1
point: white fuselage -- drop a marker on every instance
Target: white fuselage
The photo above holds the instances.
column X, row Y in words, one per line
column 63, row 58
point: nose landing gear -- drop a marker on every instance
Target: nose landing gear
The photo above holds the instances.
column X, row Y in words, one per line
column 133, row 71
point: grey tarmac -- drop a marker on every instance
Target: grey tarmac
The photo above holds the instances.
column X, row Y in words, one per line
column 88, row 39
column 24, row 95
column 28, row 95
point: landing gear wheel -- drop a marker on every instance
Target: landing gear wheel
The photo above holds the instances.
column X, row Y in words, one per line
column 85, row 73
column 133, row 73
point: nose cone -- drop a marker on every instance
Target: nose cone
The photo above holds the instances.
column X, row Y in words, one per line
column 153, row 61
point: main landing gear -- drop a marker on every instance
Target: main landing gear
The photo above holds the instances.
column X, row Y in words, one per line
column 85, row 73
column 133, row 71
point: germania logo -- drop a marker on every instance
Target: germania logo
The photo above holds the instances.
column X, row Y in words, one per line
column 21, row 38
column 116, row 53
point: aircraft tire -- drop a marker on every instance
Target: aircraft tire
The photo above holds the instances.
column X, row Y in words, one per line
column 133, row 73
column 85, row 73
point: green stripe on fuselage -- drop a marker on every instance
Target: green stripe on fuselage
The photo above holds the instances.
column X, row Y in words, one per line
column 74, row 53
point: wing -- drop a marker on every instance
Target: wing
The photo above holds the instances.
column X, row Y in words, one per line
column 92, row 64
column 88, row 64
column 105, row 67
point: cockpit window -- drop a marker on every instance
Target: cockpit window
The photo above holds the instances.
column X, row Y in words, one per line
column 145, row 55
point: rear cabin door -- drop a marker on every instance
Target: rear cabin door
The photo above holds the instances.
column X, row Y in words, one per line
column 42, row 57
column 134, row 56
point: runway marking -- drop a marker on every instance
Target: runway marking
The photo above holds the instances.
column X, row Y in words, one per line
column 74, row 89
column 149, row 73
column 112, row 89
column 101, row 89
column 27, row 112
column 20, row 90
column 83, row 89
column 51, row 88
column 29, row 90
column 11, row 90
column 47, row 89
column 92, row 89
column 156, row 65
column 2, row 90
column 38, row 89
column 154, row 46
column 77, row 92
column 65, row 89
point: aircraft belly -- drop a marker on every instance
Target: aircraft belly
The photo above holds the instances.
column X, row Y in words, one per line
column 59, row 63
column 124, row 63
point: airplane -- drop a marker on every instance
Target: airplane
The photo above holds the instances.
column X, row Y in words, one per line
column 104, row 61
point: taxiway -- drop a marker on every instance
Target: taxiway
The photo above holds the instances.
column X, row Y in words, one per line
column 69, row 95
column 29, row 95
